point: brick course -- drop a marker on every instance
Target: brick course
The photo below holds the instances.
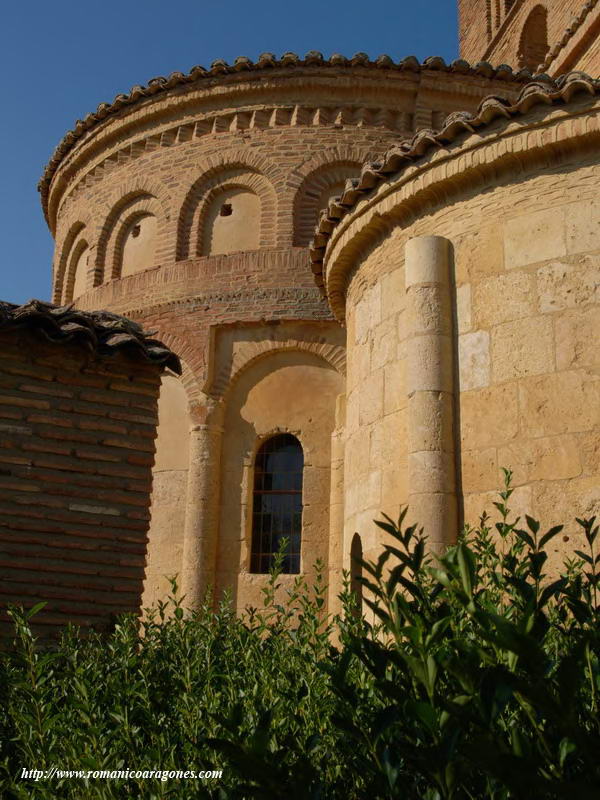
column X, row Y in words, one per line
column 74, row 481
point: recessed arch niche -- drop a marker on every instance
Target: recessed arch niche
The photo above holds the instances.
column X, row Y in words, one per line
column 314, row 194
column 72, row 278
column 128, row 240
column 533, row 44
column 225, row 211
column 282, row 392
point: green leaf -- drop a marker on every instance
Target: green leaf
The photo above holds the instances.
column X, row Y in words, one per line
column 466, row 565
column 565, row 749
column 423, row 712
column 35, row 609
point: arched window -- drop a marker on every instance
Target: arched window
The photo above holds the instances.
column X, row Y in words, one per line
column 356, row 554
column 277, row 503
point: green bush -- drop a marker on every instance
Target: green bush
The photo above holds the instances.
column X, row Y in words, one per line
column 478, row 679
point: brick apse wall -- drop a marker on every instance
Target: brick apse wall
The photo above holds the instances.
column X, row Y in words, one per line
column 78, row 415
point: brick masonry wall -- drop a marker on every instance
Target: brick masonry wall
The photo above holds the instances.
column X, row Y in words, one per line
column 76, row 453
column 488, row 31
column 352, row 119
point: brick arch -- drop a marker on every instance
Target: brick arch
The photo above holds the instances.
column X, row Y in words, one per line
column 130, row 214
column 153, row 197
column 235, row 178
column 253, row 351
column 191, row 365
column 311, row 196
column 533, row 43
column 79, row 246
column 65, row 250
column 196, row 202
column 327, row 159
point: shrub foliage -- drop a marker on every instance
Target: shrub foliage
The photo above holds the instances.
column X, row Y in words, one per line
column 476, row 677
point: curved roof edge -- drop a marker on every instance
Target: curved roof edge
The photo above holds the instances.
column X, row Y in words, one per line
column 543, row 91
column 100, row 332
column 265, row 61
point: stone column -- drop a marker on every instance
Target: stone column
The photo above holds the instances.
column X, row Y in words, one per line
column 430, row 385
column 336, row 508
column 202, row 510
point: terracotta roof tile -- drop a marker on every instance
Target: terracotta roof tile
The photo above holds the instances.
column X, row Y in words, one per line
column 264, row 62
column 544, row 90
column 100, row 331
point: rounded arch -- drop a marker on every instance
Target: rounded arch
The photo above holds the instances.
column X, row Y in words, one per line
column 341, row 154
column 199, row 199
column 134, row 245
column 314, row 194
column 137, row 195
column 252, row 351
column 191, row 364
column 533, row 43
column 74, row 233
column 122, row 215
column 77, row 275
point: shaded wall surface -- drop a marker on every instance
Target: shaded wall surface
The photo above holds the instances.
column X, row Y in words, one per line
column 77, row 434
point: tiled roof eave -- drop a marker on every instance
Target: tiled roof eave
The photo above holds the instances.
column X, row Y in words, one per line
column 543, row 91
column 101, row 332
column 265, row 62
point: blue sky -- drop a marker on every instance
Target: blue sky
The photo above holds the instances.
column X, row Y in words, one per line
column 60, row 59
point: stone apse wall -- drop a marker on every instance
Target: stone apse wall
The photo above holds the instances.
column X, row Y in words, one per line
column 469, row 283
column 189, row 205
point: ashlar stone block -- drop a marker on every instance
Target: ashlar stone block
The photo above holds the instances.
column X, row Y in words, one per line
column 371, row 398
column 463, row 308
column 503, row 298
column 479, row 470
column 577, row 336
column 394, row 386
column 563, row 285
column 548, row 458
column 583, row 226
column 489, row 416
column 534, row 237
column 566, row 402
column 474, row 360
column 521, row 348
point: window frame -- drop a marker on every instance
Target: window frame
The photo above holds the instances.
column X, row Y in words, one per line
column 254, row 532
